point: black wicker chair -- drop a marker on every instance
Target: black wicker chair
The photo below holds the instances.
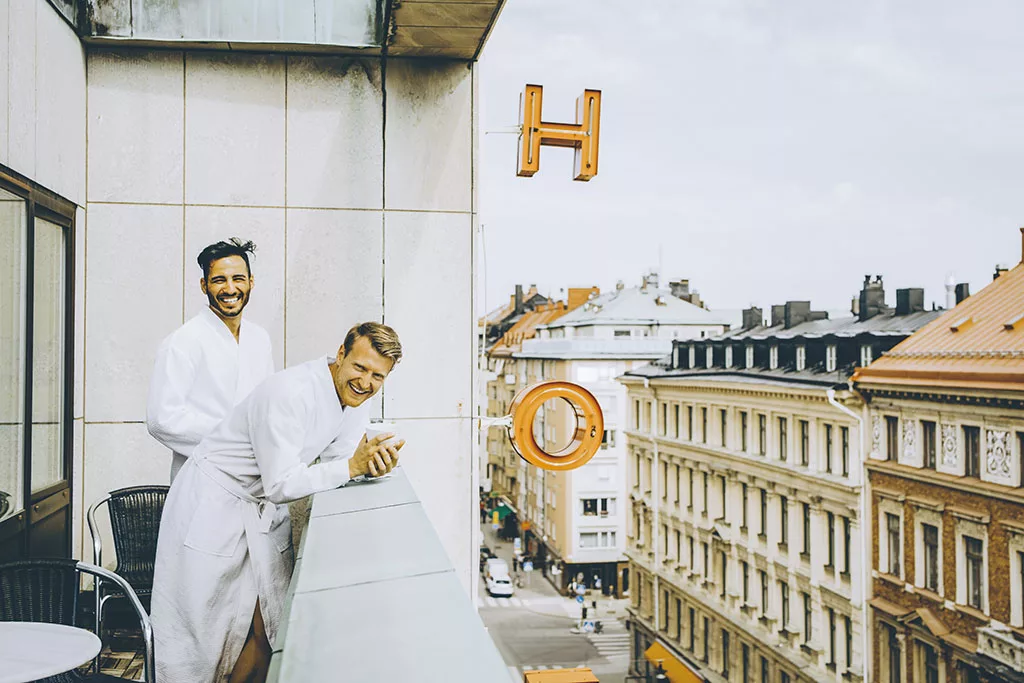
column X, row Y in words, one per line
column 135, row 521
column 48, row 591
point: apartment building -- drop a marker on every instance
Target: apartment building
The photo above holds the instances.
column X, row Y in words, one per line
column 575, row 522
column 745, row 492
column 945, row 411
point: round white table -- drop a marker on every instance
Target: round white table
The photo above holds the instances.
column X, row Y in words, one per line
column 31, row 650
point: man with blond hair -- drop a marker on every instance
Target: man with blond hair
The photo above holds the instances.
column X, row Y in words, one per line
column 224, row 556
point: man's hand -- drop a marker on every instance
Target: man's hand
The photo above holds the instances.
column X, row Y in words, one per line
column 374, row 457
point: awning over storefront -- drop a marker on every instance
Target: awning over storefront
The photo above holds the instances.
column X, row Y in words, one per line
column 504, row 508
column 676, row 670
column 580, row 675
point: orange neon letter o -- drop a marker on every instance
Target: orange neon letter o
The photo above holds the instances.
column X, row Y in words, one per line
column 585, row 440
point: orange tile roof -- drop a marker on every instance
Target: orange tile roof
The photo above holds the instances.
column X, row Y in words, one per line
column 526, row 327
column 978, row 344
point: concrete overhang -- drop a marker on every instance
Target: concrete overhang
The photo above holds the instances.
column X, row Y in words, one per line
column 454, row 29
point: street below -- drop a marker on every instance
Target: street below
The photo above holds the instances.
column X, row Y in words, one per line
column 533, row 629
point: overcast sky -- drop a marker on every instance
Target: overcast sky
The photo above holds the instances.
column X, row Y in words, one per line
column 768, row 150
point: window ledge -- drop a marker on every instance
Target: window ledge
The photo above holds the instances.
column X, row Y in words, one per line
column 972, row 612
column 889, row 578
column 929, row 594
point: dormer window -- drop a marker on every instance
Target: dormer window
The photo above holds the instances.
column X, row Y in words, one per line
column 728, row 356
column 750, row 356
column 693, row 357
column 676, row 357
column 865, row 355
column 773, row 357
column 801, row 357
column 830, row 358
column 709, row 357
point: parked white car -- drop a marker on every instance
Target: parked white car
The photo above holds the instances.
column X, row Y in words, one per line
column 500, row 585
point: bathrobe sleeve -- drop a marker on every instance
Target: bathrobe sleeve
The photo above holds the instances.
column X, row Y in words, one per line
column 279, row 422
column 169, row 417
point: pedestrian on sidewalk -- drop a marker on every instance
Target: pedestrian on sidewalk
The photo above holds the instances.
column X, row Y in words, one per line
column 515, row 564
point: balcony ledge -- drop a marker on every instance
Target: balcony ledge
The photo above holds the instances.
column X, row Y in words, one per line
column 373, row 590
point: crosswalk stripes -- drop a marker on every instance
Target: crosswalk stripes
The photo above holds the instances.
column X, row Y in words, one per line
column 613, row 642
column 484, row 600
column 489, row 601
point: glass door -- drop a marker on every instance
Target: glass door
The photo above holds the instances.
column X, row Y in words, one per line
column 36, row 357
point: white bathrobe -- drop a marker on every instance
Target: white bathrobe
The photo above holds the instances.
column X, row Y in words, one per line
column 225, row 536
column 201, row 372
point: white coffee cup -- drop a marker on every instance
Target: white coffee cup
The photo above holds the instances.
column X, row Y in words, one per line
column 378, row 428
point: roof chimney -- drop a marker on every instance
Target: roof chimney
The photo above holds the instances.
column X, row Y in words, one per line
column 778, row 315
column 680, row 289
column 999, row 271
column 963, row 290
column 909, row 301
column 619, row 286
column 752, row 317
column 950, row 290
column 872, row 298
column 518, row 308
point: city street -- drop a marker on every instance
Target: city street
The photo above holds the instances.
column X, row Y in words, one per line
column 532, row 629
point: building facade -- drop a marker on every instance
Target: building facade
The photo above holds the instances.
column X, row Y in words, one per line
column 575, row 522
column 945, row 411
column 745, row 491
column 131, row 139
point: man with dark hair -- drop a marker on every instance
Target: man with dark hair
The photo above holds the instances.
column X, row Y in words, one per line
column 212, row 362
column 224, row 550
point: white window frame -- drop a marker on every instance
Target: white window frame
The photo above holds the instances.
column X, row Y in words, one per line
column 801, row 357
column 975, row 529
column 886, row 507
column 749, row 352
column 830, row 358
column 933, row 518
column 866, row 355
column 773, row 357
column 728, row 355
column 1015, row 542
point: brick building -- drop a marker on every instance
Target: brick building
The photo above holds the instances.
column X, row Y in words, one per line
column 945, row 411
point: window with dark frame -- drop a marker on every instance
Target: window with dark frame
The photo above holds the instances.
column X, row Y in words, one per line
column 784, row 604
column 892, row 525
column 831, row 637
column 764, row 591
column 664, row 480
column 972, row 451
column 846, row 546
column 805, row 442
column 706, row 554
column 693, row 628
column 743, row 431
column 844, row 434
column 892, row 438
column 746, row 581
column 928, row 444
column 723, row 573
column 743, row 513
column 636, row 414
column 764, row 514
column 703, row 425
column 783, row 439
column 678, row 483
column 663, row 423
column 689, row 423
column 675, row 421
column 975, row 571
column 723, row 484
column 724, row 426
column 930, row 537
column 848, row 630
column 805, row 509
column 762, row 435
column 783, row 521
column 931, row 664
column 707, row 637
column 725, row 653
column 830, row 518
column 689, row 484
column 765, row 670
column 808, row 618
column 704, row 502
column 745, row 662
column 895, row 656
column 828, row 448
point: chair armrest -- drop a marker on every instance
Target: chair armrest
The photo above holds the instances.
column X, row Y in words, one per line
column 94, row 531
column 147, row 627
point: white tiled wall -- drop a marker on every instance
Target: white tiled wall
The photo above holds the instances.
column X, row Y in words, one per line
column 289, row 152
column 42, row 93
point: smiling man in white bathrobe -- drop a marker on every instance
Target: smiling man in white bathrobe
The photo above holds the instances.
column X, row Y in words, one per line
column 224, row 557
column 212, row 362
